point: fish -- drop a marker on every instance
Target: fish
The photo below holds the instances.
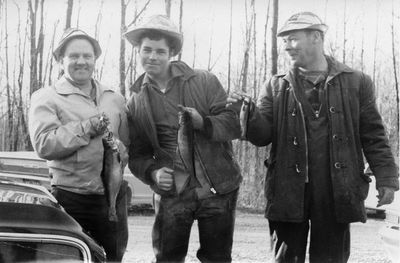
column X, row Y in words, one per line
column 114, row 161
column 185, row 147
column 244, row 115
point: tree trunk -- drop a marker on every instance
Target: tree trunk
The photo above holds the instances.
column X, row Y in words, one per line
column 180, row 25
column 122, row 75
column 230, row 50
column 265, row 44
column 254, row 52
column 168, row 8
column 10, row 100
column 69, row 14
column 344, row 32
column 33, row 49
column 396, row 83
column 40, row 45
column 274, row 30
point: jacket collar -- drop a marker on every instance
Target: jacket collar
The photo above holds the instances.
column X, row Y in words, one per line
column 178, row 69
column 64, row 87
column 335, row 68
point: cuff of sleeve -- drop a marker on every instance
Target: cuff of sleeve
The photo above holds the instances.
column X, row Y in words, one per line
column 86, row 129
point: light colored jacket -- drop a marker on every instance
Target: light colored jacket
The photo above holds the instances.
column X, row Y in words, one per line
column 59, row 125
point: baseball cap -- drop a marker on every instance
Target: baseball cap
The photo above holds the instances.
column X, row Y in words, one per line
column 302, row 21
column 73, row 33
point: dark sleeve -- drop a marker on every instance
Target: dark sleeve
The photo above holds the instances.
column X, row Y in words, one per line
column 141, row 161
column 260, row 124
column 222, row 124
column 374, row 140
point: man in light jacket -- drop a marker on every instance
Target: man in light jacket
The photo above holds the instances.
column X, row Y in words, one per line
column 66, row 123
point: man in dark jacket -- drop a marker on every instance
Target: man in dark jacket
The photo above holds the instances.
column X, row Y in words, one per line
column 207, row 193
column 321, row 119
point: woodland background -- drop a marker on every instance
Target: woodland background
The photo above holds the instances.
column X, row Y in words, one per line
column 235, row 39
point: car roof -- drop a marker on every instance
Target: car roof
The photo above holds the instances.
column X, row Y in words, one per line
column 26, row 208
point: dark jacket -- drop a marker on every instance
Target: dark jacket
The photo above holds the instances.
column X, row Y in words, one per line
column 201, row 90
column 355, row 128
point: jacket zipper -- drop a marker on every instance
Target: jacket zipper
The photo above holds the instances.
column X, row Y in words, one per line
column 212, row 189
column 305, row 133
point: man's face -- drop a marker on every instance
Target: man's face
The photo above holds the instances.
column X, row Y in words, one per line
column 300, row 47
column 78, row 61
column 154, row 57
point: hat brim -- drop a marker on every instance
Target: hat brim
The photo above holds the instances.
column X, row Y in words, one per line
column 295, row 27
column 96, row 46
column 134, row 37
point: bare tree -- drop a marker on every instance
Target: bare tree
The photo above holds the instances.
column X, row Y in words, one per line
column 40, row 46
column 69, row 14
column 344, row 31
column 245, row 67
column 33, row 49
column 254, row 51
column 50, row 56
column 8, row 86
column 180, row 24
column 122, row 75
column 230, row 49
column 274, row 30
column 265, row 43
column 396, row 83
column 168, row 8
column 98, row 20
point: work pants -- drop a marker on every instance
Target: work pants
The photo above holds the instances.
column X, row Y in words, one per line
column 329, row 240
column 174, row 219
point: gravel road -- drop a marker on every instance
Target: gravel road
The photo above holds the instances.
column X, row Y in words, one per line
column 251, row 243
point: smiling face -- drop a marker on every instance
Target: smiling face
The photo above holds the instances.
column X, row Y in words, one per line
column 154, row 57
column 78, row 61
column 302, row 47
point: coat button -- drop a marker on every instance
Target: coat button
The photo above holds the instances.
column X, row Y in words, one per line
column 332, row 109
column 295, row 141
column 335, row 137
column 339, row 165
column 297, row 168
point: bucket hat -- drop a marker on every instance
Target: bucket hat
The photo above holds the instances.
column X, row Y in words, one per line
column 303, row 21
column 160, row 24
column 73, row 33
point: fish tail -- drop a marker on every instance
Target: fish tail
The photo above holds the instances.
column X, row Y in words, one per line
column 112, row 214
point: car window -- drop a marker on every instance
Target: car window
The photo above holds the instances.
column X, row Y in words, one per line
column 18, row 251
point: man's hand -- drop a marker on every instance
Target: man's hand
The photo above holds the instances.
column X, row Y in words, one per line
column 163, row 178
column 99, row 125
column 234, row 102
column 197, row 120
column 385, row 195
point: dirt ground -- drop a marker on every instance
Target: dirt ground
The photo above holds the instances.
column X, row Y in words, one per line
column 251, row 242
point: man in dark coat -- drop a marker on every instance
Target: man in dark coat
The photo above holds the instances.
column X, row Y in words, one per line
column 321, row 119
column 207, row 193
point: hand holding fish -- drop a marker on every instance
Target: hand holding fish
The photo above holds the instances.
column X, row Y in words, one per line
column 99, row 125
column 197, row 120
column 234, row 102
column 163, row 178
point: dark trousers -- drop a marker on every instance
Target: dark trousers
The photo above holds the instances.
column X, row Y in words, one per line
column 329, row 240
column 91, row 212
column 174, row 219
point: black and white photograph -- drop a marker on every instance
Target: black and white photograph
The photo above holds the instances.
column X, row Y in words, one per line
column 216, row 131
